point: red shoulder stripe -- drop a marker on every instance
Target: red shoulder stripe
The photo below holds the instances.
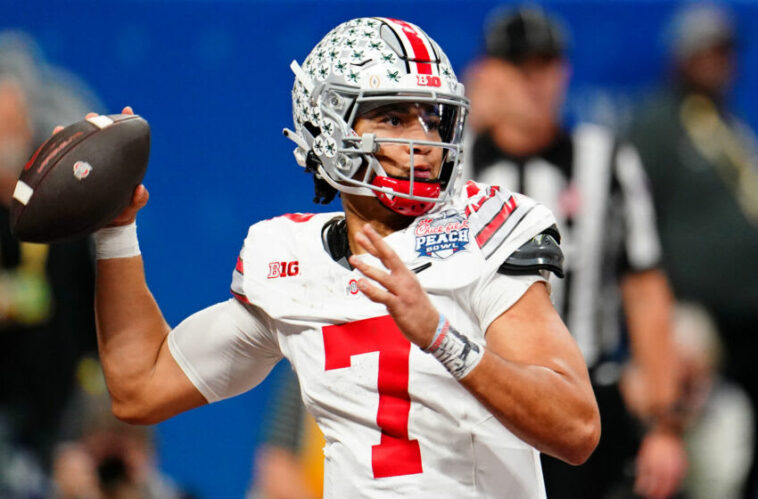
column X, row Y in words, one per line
column 299, row 217
column 240, row 297
column 472, row 189
column 497, row 221
column 473, row 208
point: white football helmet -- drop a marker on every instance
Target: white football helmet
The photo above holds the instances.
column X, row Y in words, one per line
column 364, row 64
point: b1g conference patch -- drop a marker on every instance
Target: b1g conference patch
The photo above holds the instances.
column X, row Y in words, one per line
column 442, row 235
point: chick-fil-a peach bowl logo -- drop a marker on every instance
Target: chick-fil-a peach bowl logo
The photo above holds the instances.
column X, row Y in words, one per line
column 443, row 235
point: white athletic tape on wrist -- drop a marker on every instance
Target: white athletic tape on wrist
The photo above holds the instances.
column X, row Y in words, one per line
column 456, row 351
column 117, row 242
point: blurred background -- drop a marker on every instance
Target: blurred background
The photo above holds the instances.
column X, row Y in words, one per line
column 212, row 77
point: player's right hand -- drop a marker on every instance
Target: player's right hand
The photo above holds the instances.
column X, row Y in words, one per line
column 399, row 289
column 129, row 215
column 140, row 195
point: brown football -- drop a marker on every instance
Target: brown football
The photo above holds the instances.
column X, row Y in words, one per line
column 81, row 178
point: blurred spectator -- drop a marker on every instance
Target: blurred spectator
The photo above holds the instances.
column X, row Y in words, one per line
column 720, row 420
column 104, row 458
column 596, row 187
column 46, row 292
column 702, row 165
column 717, row 413
column 289, row 464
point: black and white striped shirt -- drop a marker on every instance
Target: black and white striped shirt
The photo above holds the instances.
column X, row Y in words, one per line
column 597, row 189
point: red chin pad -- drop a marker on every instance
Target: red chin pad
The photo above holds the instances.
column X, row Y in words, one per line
column 405, row 206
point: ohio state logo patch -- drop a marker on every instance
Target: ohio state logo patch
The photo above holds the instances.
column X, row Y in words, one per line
column 352, row 288
column 442, row 235
column 82, row 170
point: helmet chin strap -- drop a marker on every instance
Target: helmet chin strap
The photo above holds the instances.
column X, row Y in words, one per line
column 403, row 205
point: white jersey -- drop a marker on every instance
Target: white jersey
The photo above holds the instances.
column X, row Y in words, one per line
column 396, row 423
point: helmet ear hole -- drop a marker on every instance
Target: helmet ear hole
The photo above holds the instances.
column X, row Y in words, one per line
column 312, row 129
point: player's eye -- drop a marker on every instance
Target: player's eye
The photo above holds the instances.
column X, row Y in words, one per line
column 429, row 116
column 391, row 119
column 432, row 122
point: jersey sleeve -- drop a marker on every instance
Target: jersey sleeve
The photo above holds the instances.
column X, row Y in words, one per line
column 496, row 294
column 641, row 248
column 501, row 222
column 225, row 349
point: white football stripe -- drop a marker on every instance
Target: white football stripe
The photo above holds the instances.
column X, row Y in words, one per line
column 23, row 192
column 101, row 121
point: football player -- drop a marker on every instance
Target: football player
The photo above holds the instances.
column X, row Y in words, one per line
column 418, row 319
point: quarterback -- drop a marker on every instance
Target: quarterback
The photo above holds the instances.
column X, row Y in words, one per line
column 418, row 319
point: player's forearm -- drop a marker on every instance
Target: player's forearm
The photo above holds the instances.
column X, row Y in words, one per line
column 553, row 411
column 130, row 329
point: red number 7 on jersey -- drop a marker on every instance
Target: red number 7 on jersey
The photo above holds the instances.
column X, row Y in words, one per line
column 396, row 454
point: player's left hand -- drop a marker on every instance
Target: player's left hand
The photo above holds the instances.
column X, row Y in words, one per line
column 405, row 299
column 661, row 465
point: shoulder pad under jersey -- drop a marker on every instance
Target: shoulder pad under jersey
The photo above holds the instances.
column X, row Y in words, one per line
column 542, row 252
column 501, row 221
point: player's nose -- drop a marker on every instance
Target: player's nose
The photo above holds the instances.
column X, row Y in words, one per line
column 418, row 134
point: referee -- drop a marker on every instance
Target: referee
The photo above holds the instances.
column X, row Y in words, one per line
column 596, row 188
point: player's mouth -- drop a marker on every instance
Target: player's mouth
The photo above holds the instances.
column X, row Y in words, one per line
column 420, row 172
